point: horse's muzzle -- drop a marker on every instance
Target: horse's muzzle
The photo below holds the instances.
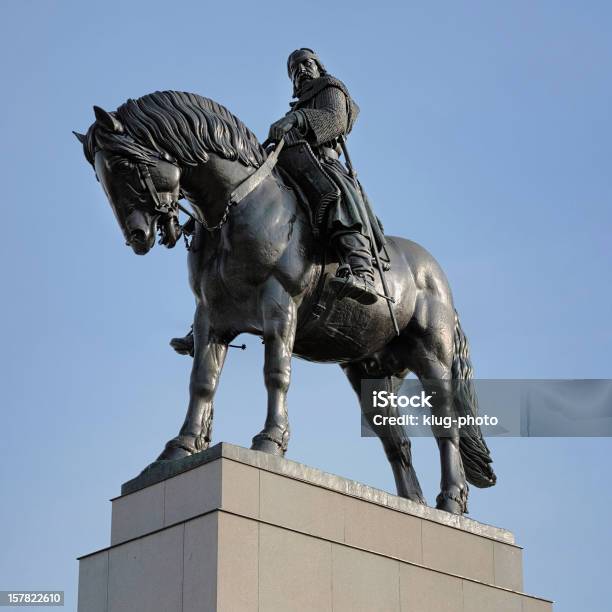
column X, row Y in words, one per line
column 140, row 232
column 138, row 241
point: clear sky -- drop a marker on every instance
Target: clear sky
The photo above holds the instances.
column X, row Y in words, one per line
column 485, row 135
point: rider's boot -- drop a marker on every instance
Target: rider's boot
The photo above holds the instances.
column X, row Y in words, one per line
column 354, row 279
column 183, row 346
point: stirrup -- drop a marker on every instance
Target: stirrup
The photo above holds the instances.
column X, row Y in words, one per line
column 356, row 287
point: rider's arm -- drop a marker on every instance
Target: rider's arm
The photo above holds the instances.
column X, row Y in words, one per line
column 326, row 122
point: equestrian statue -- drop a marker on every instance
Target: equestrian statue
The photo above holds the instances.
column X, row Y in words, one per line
column 283, row 244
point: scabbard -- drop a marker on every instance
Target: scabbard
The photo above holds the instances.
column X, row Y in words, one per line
column 377, row 237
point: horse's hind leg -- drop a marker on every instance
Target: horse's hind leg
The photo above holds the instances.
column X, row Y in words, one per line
column 393, row 437
column 430, row 354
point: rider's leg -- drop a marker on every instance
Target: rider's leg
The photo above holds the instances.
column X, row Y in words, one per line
column 357, row 253
column 184, row 345
column 356, row 277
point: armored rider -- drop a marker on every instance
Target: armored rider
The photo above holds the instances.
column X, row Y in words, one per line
column 323, row 114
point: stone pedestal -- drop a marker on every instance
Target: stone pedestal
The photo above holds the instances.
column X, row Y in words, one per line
column 232, row 529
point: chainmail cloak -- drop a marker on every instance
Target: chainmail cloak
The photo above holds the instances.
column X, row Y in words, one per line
column 325, row 111
column 327, row 108
column 326, row 117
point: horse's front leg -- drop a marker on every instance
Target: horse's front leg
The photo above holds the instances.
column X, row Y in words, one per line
column 209, row 356
column 279, row 314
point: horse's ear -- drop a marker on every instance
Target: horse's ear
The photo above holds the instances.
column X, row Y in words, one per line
column 108, row 121
column 80, row 137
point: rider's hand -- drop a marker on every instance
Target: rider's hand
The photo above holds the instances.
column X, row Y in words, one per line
column 279, row 128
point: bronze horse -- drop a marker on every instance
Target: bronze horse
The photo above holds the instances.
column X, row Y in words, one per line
column 255, row 267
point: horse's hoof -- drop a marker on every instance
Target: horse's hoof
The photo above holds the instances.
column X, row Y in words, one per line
column 450, row 502
column 264, row 443
column 413, row 497
column 177, row 448
column 449, row 505
column 171, row 454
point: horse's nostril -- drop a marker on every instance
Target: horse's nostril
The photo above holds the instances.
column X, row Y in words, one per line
column 137, row 235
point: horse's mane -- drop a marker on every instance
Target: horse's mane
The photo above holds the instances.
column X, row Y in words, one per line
column 186, row 126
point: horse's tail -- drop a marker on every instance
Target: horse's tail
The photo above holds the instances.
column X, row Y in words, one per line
column 474, row 450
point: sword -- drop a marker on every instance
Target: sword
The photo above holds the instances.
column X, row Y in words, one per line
column 366, row 220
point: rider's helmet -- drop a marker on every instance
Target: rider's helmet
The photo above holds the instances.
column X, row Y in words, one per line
column 301, row 54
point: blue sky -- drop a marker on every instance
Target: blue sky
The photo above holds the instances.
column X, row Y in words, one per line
column 484, row 134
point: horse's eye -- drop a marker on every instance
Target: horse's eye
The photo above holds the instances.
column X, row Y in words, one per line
column 122, row 165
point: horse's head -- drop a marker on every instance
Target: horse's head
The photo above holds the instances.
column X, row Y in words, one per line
column 142, row 185
column 141, row 151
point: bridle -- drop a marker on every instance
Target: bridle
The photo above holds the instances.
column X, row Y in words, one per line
column 147, row 184
column 171, row 209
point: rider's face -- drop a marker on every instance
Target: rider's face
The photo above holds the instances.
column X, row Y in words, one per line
column 304, row 71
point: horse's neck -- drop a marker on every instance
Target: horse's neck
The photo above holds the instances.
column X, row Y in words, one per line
column 269, row 225
column 209, row 186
